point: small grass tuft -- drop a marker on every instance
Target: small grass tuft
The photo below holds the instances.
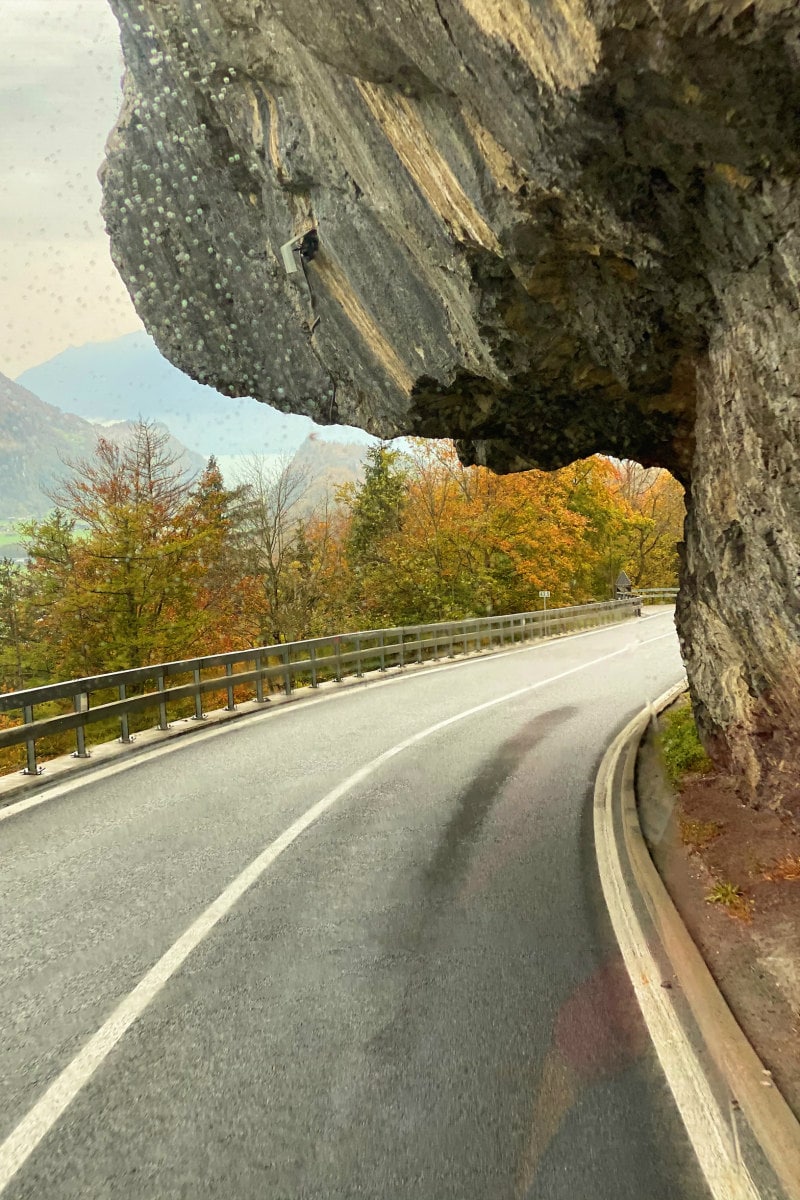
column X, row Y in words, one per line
column 732, row 899
column 725, row 893
column 699, row 834
column 680, row 744
column 787, row 867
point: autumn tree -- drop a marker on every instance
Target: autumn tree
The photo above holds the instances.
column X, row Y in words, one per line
column 593, row 494
column 118, row 568
column 279, row 560
column 15, row 625
column 651, row 539
column 60, row 611
column 139, row 564
column 466, row 541
column 376, row 513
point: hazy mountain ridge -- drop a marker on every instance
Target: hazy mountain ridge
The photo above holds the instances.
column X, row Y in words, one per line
column 39, row 440
column 128, row 378
column 327, row 466
column 35, row 439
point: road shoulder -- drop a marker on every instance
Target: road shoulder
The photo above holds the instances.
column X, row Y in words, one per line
column 745, row 1136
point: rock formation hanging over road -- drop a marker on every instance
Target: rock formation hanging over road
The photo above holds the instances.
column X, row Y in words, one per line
column 546, row 228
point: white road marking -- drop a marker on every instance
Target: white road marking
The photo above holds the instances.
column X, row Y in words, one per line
column 59, row 789
column 40, row 1119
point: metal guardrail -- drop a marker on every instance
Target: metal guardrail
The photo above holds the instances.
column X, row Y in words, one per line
column 310, row 661
column 656, row 595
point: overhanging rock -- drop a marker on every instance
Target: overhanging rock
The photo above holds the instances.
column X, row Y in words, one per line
column 545, row 229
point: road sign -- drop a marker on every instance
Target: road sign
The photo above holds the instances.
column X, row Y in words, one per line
column 544, row 595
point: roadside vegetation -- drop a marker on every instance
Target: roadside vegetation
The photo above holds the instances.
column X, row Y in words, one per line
column 682, row 750
column 136, row 564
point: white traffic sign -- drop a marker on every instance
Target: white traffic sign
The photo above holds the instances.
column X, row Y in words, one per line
column 544, row 595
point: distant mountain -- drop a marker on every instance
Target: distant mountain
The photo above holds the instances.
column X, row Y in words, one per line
column 37, row 440
column 328, row 465
column 128, row 378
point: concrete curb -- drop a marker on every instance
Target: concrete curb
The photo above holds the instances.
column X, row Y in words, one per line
column 745, row 1136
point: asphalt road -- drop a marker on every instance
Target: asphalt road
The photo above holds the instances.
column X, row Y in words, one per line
column 416, row 993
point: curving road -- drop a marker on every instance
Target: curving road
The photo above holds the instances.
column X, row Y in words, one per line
column 355, row 947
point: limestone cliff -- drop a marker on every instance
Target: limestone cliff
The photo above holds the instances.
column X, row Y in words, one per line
column 545, row 227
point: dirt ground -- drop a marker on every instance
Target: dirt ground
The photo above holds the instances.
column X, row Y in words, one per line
column 705, row 839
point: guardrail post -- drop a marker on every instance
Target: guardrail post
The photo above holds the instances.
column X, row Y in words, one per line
column 30, row 744
column 443, row 636
column 231, row 705
column 260, row 697
column 163, row 723
column 124, row 730
column 80, row 703
column 199, row 715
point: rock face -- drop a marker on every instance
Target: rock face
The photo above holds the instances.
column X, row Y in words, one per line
column 546, row 228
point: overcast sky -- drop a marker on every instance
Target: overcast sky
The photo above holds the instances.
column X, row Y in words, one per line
column 60, row 72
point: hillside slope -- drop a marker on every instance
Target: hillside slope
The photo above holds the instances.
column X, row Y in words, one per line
column 128, row 378
column 38, row 441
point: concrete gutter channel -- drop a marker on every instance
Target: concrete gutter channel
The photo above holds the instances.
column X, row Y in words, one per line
column 745, row 1136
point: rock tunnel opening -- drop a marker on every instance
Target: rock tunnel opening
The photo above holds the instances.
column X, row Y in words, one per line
column 544, row 238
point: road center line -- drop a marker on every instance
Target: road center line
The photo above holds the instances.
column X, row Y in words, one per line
column 40, row 1119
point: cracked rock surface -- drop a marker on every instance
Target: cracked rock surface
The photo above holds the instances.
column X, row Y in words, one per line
column 546, row 228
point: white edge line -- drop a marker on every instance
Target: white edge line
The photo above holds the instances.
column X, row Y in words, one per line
column 41, row 1118
column 706, row 1126
column 56, row 789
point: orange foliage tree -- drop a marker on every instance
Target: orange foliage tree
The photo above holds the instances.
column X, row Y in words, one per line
column 122, row 572
column 651, row 540
column 139, row 564
column 465, row 541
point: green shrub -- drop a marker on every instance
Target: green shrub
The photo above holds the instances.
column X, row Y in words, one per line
column 680, row 744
